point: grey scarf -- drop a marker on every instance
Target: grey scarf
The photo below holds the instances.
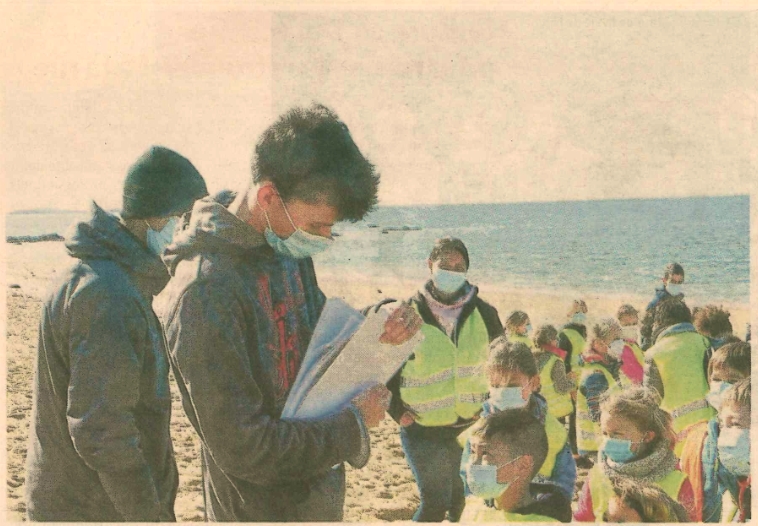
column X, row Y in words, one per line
column 651, row 468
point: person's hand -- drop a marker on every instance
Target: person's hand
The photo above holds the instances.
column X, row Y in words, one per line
column 573, row 395
column 407, row 419
column 401, row 325
column 372, row 404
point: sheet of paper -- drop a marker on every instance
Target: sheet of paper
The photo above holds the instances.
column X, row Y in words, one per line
column 333, row 377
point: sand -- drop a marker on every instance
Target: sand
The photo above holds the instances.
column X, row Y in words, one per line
column 384, row 490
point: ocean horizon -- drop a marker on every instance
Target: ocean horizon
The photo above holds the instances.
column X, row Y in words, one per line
column 613, row 246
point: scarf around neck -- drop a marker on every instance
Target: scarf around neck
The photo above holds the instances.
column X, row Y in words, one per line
column 651, row 468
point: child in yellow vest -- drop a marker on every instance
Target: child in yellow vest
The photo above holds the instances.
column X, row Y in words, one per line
column 635, row 501
column 507, row 450
column 638, row 441
column 557, row 386
column 514, row 382
column 518, row 328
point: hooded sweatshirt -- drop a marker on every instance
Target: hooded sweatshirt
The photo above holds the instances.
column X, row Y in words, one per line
column 99, row 445
column 238, row 321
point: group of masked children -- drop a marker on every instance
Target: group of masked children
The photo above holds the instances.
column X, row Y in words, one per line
column 564, row 398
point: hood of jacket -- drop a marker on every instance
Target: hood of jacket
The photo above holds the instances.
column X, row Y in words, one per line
column 211, row 227
column 103, row 237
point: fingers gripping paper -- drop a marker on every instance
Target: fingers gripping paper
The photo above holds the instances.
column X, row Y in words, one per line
column 343, row 358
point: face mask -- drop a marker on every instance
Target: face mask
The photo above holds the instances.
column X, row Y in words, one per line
column 482, row 480
column 675, row 289
column 158, row 241
column 502, row 398
column 616, row 348
column 618, row 450
column 630, row 332
column 300, row 244
column 579, row 318
column 734, row 450
column 529, row 329
column 714, row 395
column 447, row 281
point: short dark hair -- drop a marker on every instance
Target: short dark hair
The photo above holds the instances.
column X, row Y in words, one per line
column 544, row 335
column 516, row 319
column 511, row 356
column 520, row 431
column 670, row 312
column 671, row 269
column 445, row 245
column 734, row 356
column 626, row 310
column 309, row 154
column 712, row 321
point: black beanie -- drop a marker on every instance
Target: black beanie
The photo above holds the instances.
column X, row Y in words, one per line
column 160, row 184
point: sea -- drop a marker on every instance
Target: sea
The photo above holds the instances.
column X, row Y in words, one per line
column 608, row 246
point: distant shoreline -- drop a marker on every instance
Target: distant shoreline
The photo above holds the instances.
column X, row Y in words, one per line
column 18, row 240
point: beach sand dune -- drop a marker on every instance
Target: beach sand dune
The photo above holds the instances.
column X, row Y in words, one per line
column 384, row 490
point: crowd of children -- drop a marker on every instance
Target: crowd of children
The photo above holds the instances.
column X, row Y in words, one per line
column 664, row 432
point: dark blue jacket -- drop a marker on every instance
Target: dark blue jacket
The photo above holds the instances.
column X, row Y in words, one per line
column 238, row 321
column 99, row 444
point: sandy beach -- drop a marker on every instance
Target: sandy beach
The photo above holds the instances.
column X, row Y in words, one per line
column 384, row 490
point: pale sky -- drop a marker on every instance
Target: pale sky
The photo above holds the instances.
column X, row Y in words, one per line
column 452, row 107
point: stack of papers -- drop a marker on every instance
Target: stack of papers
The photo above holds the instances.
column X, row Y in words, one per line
column 344, row 357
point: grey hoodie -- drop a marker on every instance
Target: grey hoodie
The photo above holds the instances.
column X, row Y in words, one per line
column 238, row 320
column 99, row 444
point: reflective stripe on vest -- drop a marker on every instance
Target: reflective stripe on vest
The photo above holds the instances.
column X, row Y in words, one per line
column 558, row 405
column 577, row 346
column 601, row 489
column 444, row 382
column 679, row 359
column 587, row 431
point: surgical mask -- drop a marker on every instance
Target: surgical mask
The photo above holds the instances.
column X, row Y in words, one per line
column 482, row 480
column 157, row 241
column 529, row 329
column 300, row 244
column 630, row 332
column 616, row 348
column 675, row 289
column 502, row 398
column 579, row 318
column 734, row 450
column 448, row 281
column 714, row 395
column 618, row 450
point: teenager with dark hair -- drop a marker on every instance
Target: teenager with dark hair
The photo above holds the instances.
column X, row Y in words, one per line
column 673, row 287
column 240, row 311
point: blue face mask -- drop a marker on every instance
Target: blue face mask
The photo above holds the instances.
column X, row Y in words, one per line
column 157, row 241
column 502, row 398
column 528, row 329
column 734, row 450
column 447, row 281
column 618, row 450
column 717, row 391
column 300, row 244
column 482, row 480
column 579, row 318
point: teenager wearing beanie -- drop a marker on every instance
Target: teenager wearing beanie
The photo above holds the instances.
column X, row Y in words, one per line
column 99, row 445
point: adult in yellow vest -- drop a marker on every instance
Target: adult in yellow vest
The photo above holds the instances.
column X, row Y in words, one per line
column 557, row 385
column 572, row 338
column 440, row 390
column 518, row 328
column 637, row 444
column 508, row 449
column 599, row 374
column 676, row 367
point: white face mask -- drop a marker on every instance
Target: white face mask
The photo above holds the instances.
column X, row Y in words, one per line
column 616, row 348
column 630, row 332
column 579, row 318
column 300, row 244
column 502, row 398
column 157, row 241
column 717, row 391
column 734, row 450
column 675, row 289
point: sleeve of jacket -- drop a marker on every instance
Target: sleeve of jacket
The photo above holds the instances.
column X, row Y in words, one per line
column 652, row 377
column 561, row 382
column 565, row 344
column 564, row 472
column 593, row 388
column 209, row 344
column 646, row 328
column 108, row 336
column 491, row 320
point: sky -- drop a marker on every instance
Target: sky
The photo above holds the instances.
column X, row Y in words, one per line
column 452, row 107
